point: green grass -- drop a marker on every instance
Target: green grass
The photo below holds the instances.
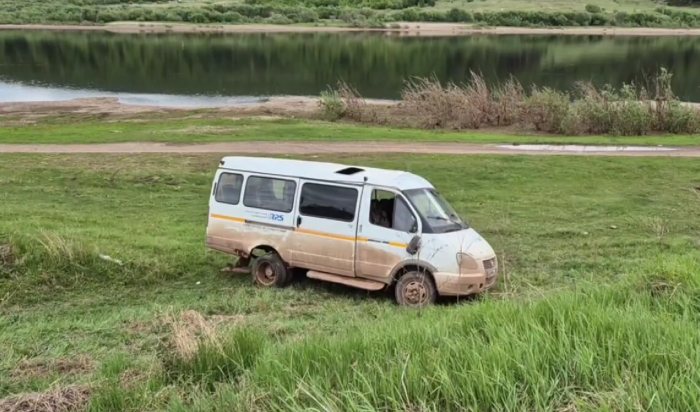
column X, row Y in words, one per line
column 598, row 311
column 227, row 130
column 629, row 6
column 354, row 13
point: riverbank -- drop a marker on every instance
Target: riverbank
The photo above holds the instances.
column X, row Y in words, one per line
column 284, row 119
column 269, row 128
column 398, row 28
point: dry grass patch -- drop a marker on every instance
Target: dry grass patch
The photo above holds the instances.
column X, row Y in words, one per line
column 67, row 399
column 188, row 332
column 41, row 368
column 631, row 110
column 202, row 350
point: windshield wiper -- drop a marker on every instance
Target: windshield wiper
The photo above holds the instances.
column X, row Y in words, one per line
column 438, row 218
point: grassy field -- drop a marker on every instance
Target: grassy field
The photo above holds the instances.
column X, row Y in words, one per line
column 630, row 6
column 55, row 131
column 357, row 13
column 597, row 307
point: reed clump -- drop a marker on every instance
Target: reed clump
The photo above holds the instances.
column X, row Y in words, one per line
column 630, row 110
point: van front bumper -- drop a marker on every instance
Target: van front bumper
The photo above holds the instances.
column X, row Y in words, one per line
column 454, row 284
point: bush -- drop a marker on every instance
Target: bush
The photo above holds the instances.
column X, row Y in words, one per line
column 547, row 109
column 459, row 16
column 426, row 103
column 331, row 104
column 592, row 8
column 307, row 16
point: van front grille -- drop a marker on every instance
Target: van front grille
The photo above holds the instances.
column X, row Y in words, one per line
column 490, row 264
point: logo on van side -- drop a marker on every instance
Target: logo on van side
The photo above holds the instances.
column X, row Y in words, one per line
column 277, row 217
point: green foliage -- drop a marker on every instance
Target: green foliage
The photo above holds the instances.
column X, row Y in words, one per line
column 332, row 105
column 592, row 8
column 308, row 11
column 685, row 3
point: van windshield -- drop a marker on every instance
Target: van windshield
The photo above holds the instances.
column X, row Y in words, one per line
column 435, row 210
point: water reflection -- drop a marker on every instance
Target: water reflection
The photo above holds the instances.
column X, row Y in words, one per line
column 306, row 63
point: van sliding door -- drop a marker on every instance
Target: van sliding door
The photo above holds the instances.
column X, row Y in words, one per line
column 326, row 227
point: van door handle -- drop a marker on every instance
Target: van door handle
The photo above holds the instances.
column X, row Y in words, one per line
column 298, row 221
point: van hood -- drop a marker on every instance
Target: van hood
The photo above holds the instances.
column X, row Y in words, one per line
column 465, row 241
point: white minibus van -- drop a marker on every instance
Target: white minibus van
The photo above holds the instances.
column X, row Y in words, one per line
column 362, row 227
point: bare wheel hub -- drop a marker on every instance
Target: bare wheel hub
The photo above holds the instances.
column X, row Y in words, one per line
column 415, row 292
column 266, row 274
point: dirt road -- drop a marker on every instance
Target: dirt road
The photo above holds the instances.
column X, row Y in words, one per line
column 299, row 148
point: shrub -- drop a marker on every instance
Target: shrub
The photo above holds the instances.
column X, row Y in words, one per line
column 428, row 104
column 592, row 8
column 331, row 104
column 547, row 109
column 459, row 16
column 681, row 119
column 307, row 16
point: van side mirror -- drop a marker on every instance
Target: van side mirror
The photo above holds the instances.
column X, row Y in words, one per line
column 413, row 245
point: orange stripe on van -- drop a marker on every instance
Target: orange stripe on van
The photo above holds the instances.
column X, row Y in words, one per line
column 314, row 233
column 233, row 219
column 328, row 235
column 403, row 245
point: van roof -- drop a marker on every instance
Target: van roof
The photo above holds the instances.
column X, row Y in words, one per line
column 331, row 172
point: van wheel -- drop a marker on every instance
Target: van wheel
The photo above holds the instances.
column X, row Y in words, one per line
column 416, row 290
column 269, row 270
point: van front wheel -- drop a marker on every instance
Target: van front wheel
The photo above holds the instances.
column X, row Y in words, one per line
column 415, row 290
column 269, row 270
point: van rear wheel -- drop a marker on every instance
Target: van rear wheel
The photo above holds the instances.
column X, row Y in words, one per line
column 416, row 290
column 269, row 270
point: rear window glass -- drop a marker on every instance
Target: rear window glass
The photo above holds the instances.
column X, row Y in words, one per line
column 269, row 194
column 228, row 190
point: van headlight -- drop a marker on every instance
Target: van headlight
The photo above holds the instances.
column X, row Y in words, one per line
column 465, row 261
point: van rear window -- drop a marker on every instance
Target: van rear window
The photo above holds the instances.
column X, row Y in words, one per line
column 328, row 202
column 228, row 190
column 269, row 194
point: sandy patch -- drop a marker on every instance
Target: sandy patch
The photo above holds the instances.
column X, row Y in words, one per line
column 405, row 28
column 110, row 109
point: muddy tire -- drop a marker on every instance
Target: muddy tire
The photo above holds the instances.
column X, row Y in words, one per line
column 269, row 270
column 415, row 290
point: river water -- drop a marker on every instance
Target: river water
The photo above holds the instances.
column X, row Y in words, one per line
column 216, row 69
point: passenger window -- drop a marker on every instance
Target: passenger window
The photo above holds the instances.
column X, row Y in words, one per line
column 269, row 194
column 328, row 202
column 228, row 190
column 391, row 211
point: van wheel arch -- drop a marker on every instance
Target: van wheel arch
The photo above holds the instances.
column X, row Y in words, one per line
column 407, row 267
column 261, row 250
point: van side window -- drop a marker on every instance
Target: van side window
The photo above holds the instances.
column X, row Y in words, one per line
column 390, row 211
column 269, row 194
column 328, row 202
column 228, row 190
